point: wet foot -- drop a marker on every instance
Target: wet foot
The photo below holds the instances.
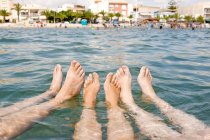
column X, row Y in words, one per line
column 73, row 83
column 145, row 82
column 112, row 90
column 91, row 89
column 124, row 79
column 57, row 79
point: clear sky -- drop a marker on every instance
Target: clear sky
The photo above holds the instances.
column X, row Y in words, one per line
column 58, row 3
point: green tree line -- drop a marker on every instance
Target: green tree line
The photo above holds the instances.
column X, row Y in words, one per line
column 73, row 16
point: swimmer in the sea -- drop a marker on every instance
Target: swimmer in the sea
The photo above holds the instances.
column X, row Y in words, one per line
column 16, row 122
column 150, row 125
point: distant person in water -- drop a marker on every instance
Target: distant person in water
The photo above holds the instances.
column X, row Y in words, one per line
column 16, row 119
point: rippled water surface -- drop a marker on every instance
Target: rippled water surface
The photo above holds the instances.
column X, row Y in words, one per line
column 179, row 61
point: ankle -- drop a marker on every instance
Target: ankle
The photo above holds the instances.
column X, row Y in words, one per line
column 89, row 104
column 52, row 92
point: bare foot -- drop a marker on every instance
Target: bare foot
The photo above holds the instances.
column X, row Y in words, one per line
column 57, row 79
column 91, row 89
column 124, row 79
column 112, row 90
column 145, row 82
column 74, row 80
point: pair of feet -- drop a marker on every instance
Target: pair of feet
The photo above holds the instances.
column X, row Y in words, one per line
column 116, row 86
column 73, row 83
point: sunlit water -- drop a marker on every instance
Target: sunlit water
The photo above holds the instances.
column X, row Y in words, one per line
column 179, row 61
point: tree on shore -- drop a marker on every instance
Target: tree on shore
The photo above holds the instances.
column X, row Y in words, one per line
column 103, row 13
column 18, row 8
column 118, row 15
column 4, row 13
column 68, row 15
column 200, row 19
column 158, row 17
column 111, row 15
column 188, row 18
column 49, row 15
column 166, row 17
column 176, row 16
column 60, row 16
column 130, row 17
column 172, row 5
column 88, row 15
column 95, row 17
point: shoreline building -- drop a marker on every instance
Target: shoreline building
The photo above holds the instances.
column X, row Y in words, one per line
column 195, row 10
column 141, row 12
column 111, row 6
column 6, row 5
column 29, row 12
column 74, row 7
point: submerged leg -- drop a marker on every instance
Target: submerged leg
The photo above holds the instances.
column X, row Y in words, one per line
column 188, row 123
column 14, row 124
column 118, row 127
column 53, row 90
column 150, row 125
column 88, row 128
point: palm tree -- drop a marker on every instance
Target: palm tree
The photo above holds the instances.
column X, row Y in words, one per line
column 166, row 17
column 188, row 18
column 158, row 17
column 88, row 15
column 61, row 16
column 18, row 7
column 49, row 15
column 4, row 13
column 102, row 13
column 46, row 13
column 200, row 19
column 172, row 5
column 95, row 17
column 118, row 15
column 130, row 17
column 176, row 16
column 111, row 15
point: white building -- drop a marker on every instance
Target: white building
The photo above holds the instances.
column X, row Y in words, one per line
column 6, row 5
column 97, row 6
column 111, row 6
column 141, row 12
column 29, row 12
column 195, row 10
column 73, row 7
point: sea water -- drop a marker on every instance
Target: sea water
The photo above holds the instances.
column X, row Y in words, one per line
column 179, row 61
